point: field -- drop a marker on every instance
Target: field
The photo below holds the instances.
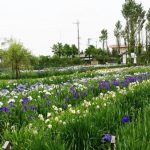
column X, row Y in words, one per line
column 78, row 111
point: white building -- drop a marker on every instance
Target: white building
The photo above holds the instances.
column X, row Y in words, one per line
column 123, row 53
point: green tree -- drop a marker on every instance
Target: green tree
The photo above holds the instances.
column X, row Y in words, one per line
column 103, row 38
column 18, row 57
column 74, row 50
column 67, row 50
column 90, row 51
column 147, row 28
column 57, row 49
column 124, row 36
column 134, row 15
column 117, row 34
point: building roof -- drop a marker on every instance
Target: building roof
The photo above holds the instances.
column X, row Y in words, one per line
column 116, row 46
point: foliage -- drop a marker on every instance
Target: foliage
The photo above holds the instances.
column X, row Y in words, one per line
column 18, row 57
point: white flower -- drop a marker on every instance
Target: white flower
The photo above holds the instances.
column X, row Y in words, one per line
column 64, row 123
column 69, row 106
column 47, row 120
column 49, row 126
column 56, row 119
column 104, row 104
column 55, row 108
column 60, row 109
column 30, row 125
column 29, row 97
column 35, row 131
column 97, row 107
column 41, row 117
column 60, row 121
column 11, row 101
column 1, row 104
column 78, row 111
column 49, row 115
column 13, row 128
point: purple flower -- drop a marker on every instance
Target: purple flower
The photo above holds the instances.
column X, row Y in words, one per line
column 48, row 102
column 75, row 95
column 4, row 109
column 106, row 138
column 25, row 100
column 32, row 107
column 25, row 107
column 64, row 106
column 125, row 119
column 116, row 83
column 66, row 99
column 84, row 93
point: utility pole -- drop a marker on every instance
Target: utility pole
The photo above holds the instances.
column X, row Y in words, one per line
column 96, row 44
column 78, row 35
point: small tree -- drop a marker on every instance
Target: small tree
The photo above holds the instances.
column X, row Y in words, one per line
column 90, row 51
column 74, row 50
column 58, row 49
column 18, row 57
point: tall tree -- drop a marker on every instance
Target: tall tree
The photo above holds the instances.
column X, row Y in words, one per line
column 147, row 28
column 124, row 36
column 103, row 38
column 133, row 13
column 117, row 34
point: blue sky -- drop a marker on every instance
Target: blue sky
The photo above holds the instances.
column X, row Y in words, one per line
column 38, row 24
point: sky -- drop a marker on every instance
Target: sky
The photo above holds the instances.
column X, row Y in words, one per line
column 39, row 24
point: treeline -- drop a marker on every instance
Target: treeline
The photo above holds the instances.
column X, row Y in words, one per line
column 136, row 32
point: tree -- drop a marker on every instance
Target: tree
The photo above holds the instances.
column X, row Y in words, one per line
column 124, row 36
column 134, row 15
column 147, row 28
column 103, row 38
column 90, row 51
column 117, row 34
column 58, row 49
column 18, row 57
column 74, row 50
column 67, row 50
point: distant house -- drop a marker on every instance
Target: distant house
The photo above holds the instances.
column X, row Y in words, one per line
column 85, row 58
column 123, row 53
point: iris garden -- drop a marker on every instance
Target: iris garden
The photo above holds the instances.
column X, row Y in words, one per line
column 77, row 111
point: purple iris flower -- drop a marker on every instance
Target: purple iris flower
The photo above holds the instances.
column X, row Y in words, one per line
column 125, row 119
column 106, row 138
column 66, row 99
column 116, row 83
column 33, row 107
column 4, row 109
column 25, row 107
column 75, row 95
column 25, row 100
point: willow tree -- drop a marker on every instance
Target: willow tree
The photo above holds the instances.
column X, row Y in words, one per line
column 18, row 57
